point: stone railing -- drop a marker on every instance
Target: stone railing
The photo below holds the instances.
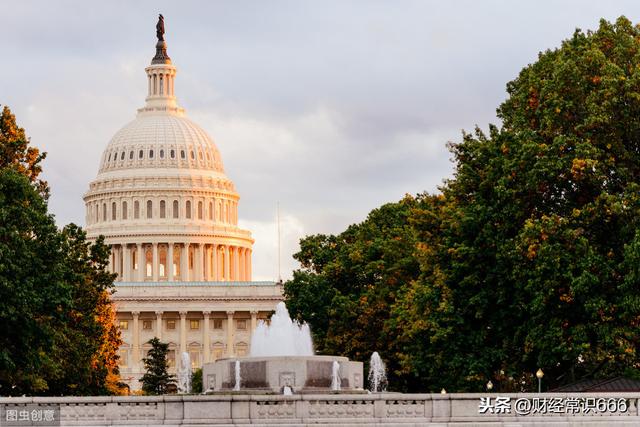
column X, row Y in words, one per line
column 387, row 409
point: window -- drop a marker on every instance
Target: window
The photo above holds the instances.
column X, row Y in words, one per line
column 124, row 358
column 171, row 324
column 193, row 156
column 175, row 209
column 241, row 349
column 136, row 209
column 130, row 155
column 194, row 356
column 113, row 211
column 163, row 209
column 200, row 154
column 194, row 324
column 140, row 154
column 162, row 154
column 182, row 155
column 151, row 154
column 188, row 209
column 217, row 323
column 171, row 358
column 124, row 325
column 173, row 154
column 161, row 85
column 199, row 210
column 149, row 209
column 241, row 324
column 122, row 156
column 124, row 210
column 115, row 157
column 210, row 210
column 104, row 211
column 109, row 159
column 147, row 325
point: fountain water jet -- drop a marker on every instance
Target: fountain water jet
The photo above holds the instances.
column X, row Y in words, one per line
column 283, row 337
column 335, row 376
column 377, row 373
column 184, row 374
column 238, row 378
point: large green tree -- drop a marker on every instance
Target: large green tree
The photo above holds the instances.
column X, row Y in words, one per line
column 535, row 262
column 349, row 283
column 57, row 331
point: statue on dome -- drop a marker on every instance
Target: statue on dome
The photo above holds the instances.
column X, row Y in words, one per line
column 160, row 28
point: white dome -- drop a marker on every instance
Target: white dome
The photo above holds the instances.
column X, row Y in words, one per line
column 161, row 140
column 161, row 198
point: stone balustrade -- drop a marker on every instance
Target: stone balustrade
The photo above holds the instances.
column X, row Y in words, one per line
column 387, row 409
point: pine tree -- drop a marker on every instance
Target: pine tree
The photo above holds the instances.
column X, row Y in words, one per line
column 156, row 379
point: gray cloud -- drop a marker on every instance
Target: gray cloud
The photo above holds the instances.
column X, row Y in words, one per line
column 331, row 108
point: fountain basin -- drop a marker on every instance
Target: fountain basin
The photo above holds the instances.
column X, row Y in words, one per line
column 273, row 373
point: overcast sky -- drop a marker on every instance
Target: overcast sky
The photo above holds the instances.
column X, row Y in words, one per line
column 331, row 108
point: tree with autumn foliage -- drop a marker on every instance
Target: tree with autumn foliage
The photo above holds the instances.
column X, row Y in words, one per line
column 57, row 330
column 530, row 258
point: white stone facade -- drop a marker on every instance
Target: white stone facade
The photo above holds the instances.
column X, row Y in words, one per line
column 169, row 213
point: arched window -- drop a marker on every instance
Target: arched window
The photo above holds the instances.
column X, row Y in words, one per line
column 162, row 154
column 219, row 211
column 176, row 213
column 140, row 154
column 151, row 154
column 104, row 211
column 188, row 209
column 148, row 256
column 122, row 156
column 124, row 210
column 113, row 211
column 162, row 262
column 155, row 81
column 149, row 209
column 97, row 213
column 211, row 210
column 163, row 209
column 130, row 155
column 115, row 157
column 136, row 209
column 199, row 210
column 173, row 154
column 182, row 154
column 193, row 156
column 226, row 212
column 161, row 85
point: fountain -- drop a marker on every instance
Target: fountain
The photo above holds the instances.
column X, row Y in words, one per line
column 238, row 379
column 282, row 361
column 184, row 374
column 377, row 374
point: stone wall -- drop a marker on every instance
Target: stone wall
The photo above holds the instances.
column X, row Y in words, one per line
column 388, row 409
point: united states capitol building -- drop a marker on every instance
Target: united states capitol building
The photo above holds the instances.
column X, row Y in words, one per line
column 170, row 215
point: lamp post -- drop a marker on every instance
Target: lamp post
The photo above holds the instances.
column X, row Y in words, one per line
column 539, row 375
column 489, row 386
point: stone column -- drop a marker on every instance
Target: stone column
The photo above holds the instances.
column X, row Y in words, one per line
column 241, row 275
column 214, row 262
column 140, row 256
column 236, row 264
column 230, row 333
column 226, row 263
column 184, row 262
column 183, row 334
column 197, row 264
column 116, row 262
column 207, row 263
column 170, row 262
column 135, row 347
column 155, row 265
column 254, row 320
column 250, row 266
column 126, row 274
column 159, row 324
column 206, row 337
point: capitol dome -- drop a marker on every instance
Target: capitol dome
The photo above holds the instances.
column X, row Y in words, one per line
column 161, row 197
